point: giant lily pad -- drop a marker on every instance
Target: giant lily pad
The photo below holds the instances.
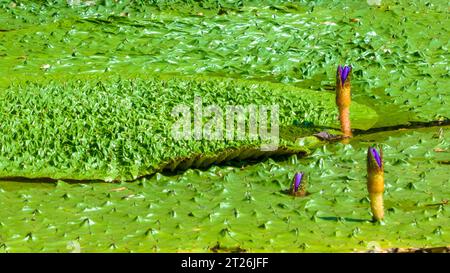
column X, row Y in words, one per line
column 244, row 209
column 400, row 62
column 119, row 129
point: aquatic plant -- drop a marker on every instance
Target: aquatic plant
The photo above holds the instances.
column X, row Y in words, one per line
column 343, row 98
column 298, row 187
column 375, row 182
column 118, row 129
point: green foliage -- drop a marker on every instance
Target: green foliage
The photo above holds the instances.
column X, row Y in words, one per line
column 243, row 208
column 120, row 129
column 398, row 51
column 97, row 127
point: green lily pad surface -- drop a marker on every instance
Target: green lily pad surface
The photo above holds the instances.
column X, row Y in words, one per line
column 87, row 90
column 245, row 209
column 399, row 50
column 121, row 129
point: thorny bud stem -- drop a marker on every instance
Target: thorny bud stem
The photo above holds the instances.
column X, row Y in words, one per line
column 375, row 182
column 343, row 98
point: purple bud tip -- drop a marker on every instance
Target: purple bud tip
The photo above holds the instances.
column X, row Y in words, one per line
column 376, row 156
column 344, row 72
column 297, row 181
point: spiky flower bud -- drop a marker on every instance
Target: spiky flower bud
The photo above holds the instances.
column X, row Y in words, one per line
column 343, row 98
column 375, row 182
column 298, row 187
